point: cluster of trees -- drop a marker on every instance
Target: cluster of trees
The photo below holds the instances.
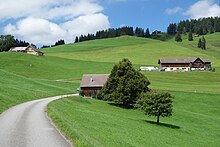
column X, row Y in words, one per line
column 59, row 42
column 200, row 26
column 110, row 33
column 129, row 87
column 8, row 41
column 201, row 42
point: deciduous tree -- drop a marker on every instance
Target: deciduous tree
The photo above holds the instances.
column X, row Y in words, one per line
column 156, row 103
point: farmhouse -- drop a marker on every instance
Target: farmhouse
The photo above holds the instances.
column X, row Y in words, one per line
column 91, row 84
column 184, row 64
column 29, row 50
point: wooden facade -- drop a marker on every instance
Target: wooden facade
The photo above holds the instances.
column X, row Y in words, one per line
column 91, row 84
column 184, row 64
column 29, row 50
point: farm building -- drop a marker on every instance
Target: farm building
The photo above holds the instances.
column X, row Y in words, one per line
column 91, row 84
column 148, row 68
column 184, row 64
column 29, row 50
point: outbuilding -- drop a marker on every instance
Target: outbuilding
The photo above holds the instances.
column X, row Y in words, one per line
column 91, row 84
column 30, row 49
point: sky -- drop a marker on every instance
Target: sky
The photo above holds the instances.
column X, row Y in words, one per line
column 46, row 21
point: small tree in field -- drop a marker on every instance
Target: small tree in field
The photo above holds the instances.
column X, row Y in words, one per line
column 190, row 36
column 178, row 37
column 199, row 43
column 156, row 103
column 203, row 43
column 125, row 84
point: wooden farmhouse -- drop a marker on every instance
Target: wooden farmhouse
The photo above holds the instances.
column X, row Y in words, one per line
column 29, row 50
column 91, row 84
column 184, row 64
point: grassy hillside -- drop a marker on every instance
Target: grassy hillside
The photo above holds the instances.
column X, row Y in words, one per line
column 144, row 52
column 196, row 112
column 96, row 123
column 16, row 89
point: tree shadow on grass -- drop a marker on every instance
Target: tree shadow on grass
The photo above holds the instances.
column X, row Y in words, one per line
column 163, row 124
column 121, row 106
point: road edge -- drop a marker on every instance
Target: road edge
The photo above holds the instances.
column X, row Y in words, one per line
column 54, row 125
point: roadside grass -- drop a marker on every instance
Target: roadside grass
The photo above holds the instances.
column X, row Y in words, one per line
column 15, row 89
column 90, row 122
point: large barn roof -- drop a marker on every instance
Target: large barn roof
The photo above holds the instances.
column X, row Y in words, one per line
column 180, row 60
column 18, row 49
column 94, row 80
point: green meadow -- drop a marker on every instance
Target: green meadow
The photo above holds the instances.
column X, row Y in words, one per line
column 90, row 122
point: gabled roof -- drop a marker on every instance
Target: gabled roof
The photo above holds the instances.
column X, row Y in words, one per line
column 15, row 49
column 18, row 49
column 181, row 60
column 94, row 80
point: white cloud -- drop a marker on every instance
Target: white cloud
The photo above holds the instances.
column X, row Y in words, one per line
column 42, row 31
column 86, row 24
column 171, row 11
column 46, row 21
column 48, row 9
column 203, row 8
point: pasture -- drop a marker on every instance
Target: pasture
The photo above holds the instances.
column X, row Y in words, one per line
column 90, row 122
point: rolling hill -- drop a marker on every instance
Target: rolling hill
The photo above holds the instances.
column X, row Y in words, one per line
column 196, row 111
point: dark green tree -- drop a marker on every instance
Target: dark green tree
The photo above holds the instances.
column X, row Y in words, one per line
column 125, row 84
column 147, row 33
column 172, row 29
column 203, row 43
column 156, row 103
column 190, row 36
column 199, row 43
column 178, row 37
column 76, row 39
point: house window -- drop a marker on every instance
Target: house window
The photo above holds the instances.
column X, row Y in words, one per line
column 171, row 68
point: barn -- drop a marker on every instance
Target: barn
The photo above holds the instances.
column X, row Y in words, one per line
column 91, row 84
column 184, row 64
column 30, row 49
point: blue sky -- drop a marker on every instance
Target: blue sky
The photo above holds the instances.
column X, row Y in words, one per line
column 46, row 21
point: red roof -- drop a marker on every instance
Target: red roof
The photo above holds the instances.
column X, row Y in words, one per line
column 94, row 80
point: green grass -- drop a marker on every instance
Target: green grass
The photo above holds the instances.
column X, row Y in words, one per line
column 95, row 123
column 90, row 122
column 16, row 89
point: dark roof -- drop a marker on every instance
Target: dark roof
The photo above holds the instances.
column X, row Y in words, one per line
column 94, row 80
column 181, row 60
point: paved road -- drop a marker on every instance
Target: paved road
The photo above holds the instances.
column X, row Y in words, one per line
column 27, row 125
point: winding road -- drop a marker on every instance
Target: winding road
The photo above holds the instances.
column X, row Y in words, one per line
column 27, row 125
